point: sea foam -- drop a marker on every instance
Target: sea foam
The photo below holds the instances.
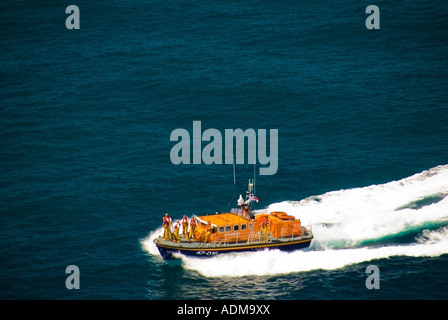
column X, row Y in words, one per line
column 342, row 221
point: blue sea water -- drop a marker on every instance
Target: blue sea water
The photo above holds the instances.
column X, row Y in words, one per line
column 86, row 117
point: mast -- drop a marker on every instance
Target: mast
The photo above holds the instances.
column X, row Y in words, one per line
column 250, row 194
column 254, row 176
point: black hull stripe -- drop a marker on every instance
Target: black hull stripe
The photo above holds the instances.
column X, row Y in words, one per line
column 246, row 247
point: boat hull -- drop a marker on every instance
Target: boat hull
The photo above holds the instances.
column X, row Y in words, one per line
column 169, row 250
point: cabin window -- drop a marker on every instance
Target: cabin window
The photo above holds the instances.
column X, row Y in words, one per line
column 236, row 227
column 243, row 227
column 228, row 228
column 251, row 226
column 221, row 229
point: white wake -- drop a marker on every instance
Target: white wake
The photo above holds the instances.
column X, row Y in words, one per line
column 342, row 222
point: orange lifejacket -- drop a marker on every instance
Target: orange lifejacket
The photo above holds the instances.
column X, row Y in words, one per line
column 166, row 221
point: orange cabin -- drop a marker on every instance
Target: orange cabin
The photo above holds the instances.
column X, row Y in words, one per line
column 283, row 225
column 232, row 227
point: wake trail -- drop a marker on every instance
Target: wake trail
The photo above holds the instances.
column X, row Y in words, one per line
column 346, row 218
column 342, row 222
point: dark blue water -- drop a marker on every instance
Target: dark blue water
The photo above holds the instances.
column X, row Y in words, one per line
column 86, row 117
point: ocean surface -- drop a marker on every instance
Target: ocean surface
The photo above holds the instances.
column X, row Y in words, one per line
column 86, row 117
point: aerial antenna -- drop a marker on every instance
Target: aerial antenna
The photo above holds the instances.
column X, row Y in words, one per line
column 234, row 181
column 254, row 175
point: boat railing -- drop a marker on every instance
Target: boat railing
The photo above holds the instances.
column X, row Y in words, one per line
column 227, row 239
column 231, row 237
column 254, row 237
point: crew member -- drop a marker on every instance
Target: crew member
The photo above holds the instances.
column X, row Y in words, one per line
column 185, row 228
column 264, row 228
column 176, row 237
column 209, row 232
column 193, row 228
column 245, row 212
column 167, row 226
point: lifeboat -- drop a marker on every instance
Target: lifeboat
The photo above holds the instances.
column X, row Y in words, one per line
column 236, row 231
